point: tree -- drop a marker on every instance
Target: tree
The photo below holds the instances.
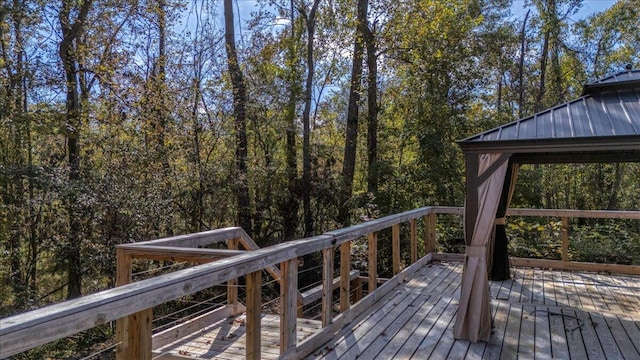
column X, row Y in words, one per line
column 239, row 110
column 71, row 30
column 306, row 121
column 351, row 136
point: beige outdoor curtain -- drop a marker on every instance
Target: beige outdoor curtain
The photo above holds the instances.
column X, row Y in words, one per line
column 485, row 179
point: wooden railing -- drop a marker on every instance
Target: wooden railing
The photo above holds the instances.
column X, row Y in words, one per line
column 130, row 304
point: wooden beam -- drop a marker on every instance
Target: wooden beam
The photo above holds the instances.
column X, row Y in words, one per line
column 372, row 242
column 315, row 293
column 565, row 238
column 413, row 240
column 345, row 269
column 592, row 214
column 395, row 248
column 327, row 285
column 254, row 305
column 170, row 253
column 288, row 302
column 232, row 284
column 194, row 240
column 577, row 266
column 430, row 233
column 123, row 277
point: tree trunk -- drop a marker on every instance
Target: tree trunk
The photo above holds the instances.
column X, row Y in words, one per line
column 306, row 119
column 351, row 138
column 289, row 206
column 239, row 110
column 523, row 41
column 70, row 33
column 372, row 109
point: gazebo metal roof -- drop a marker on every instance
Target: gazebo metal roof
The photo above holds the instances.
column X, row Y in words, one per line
column 604, row 121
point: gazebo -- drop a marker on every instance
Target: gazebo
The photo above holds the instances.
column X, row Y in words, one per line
column 603, row 125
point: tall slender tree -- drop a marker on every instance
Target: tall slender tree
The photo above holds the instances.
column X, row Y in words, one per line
column 240, row 113
column 351, row 137
column 71, row 30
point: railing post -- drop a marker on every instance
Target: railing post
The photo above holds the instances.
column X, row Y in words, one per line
column 565, row 238
column 232, row 285
column 430, row 232
column 254, row 304
column 345, row 269
column 327, row 285
column 372, row 239
column 395, row 248
column 288, row 304
column 414, row 241
column 133, row 332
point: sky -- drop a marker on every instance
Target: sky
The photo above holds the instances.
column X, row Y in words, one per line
column 588, row 7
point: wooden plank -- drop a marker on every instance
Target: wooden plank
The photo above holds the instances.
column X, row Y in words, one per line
column 345, row 269
column 565, row 239
column 607, row 342
column 593, row 214
column 542, row 333
column 575, row 342
column 589, row 336
column 191, row 326
column 632, row 328
column 288, row 302
column 559, row 343
column 430, row 232
column 327, row 285
column 254, row 303
column 387, row 344
column 232, row 284
column 196, row 239
column 512, row 333
column 123, row 277
column 430, row 342
column 622, row 339
column 576, row 266
column 395, row 248
column 315, row 293
column 494, row 346
column 346, row 336
column 368, row 330
column 316, row 341
column 413, row 240
column 423, row 331
column 372, row 243
column 446, row 343
column 169, row 253
column 527, row 336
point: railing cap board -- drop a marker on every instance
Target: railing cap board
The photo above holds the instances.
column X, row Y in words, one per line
column 194, row 240
column 362, row 229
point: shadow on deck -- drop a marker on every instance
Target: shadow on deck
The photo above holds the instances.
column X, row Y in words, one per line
column 537, row 314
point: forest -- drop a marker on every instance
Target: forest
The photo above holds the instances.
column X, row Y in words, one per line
column 130, row 120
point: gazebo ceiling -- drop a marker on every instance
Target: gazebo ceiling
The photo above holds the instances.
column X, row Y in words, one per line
column 601, row 125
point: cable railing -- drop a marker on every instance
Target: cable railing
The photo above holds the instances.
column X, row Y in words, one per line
column 341, row 295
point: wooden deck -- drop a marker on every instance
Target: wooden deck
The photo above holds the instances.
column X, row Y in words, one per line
column 226, row 339
column 538, row 314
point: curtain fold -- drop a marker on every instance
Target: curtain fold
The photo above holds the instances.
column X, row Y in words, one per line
column 499, row 269
column 485, row 180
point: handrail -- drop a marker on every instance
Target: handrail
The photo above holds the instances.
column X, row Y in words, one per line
column 70, row 317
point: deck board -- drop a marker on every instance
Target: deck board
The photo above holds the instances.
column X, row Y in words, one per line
column 538, row 314
column 535, row 316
